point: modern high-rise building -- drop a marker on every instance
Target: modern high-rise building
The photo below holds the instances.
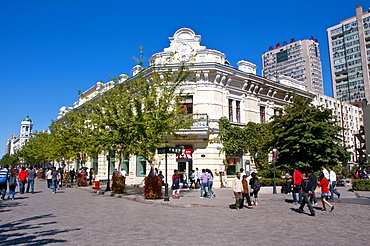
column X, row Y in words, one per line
column 349, row 48
column 299, row 60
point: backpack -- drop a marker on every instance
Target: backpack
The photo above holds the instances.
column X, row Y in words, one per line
column 3, row 179
column 256, row 185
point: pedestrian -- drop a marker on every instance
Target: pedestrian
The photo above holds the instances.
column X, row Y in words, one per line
column 242, row 173
column 237, row 189
column 325, row 171
column 48, row 178
column 255, row 188
column 12, row 183
column 211, row 193
column 324, row 185
column 192, row 180
column 22, row 177
column 333, row 183
column 204, row 183
column 4, row 175
column 54, row 180
column 245, row 192
column 306, row 192
column 175, row 185
column 289, row 180
column 160, row 175
column 297, row 181
column 313, row 181
column 185, row 179
column 197, row 178
column 72, row 175
column 364, row 173
column 31, row 180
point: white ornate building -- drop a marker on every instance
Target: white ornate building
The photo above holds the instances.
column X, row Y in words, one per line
column 15, row 143
column 218, row 90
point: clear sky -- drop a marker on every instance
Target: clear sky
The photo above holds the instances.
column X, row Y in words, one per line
column 51, row 49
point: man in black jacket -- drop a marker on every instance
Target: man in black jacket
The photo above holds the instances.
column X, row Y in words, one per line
column 306, row 192
column 313, row 181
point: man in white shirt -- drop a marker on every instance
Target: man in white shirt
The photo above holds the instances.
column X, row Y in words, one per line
column 185, row 179
column 48, row 178
column 326, row 173
column 123, row 172
column 197, row 178
column 237, row 189
column 333, row 183
column 242, row 173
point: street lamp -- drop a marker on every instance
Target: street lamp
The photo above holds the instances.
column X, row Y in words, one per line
column 274, row 152
column 166, row 150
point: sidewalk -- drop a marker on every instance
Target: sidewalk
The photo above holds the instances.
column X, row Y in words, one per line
column 224, row 197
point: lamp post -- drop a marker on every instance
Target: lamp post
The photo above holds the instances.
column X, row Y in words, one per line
column 273, row 163
column 108, row 181
column 166, row 150
column 109, row 159
column 166, row 198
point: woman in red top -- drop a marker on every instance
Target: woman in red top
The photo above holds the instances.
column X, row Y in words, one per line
column 324, row 184
column 22, row 176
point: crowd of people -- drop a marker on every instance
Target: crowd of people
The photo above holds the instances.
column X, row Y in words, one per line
column 244, row 190
column 303, row 186
column 202, row 180
column 16, row 176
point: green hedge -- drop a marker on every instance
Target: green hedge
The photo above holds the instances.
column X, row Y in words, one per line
column 270, row 182
column 361, row 184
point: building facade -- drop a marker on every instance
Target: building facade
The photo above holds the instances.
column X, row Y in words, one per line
column 299, row 60
column 15, row 143
column 349, row 48
column 216, row 90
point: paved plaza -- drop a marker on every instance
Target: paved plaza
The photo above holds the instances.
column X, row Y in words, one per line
column 76, row 216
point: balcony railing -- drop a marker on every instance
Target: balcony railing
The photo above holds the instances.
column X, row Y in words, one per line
column 200, row 120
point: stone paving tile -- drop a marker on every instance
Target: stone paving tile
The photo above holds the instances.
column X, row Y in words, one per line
column 76, row 217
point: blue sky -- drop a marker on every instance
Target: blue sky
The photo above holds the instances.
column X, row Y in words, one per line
column 52, row 49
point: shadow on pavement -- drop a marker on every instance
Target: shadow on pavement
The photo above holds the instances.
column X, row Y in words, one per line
column 15, row 232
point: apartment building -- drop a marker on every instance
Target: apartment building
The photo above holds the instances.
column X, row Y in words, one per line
column 349, row 48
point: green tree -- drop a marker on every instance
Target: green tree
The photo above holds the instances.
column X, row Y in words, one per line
column 39, row 149
column 307, row 136
column 10, row 160
column 72, row 136
column 254, row 138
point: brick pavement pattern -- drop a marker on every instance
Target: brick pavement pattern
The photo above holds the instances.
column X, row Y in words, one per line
column 76, row 217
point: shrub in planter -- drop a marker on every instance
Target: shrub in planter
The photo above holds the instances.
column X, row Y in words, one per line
column 118, row 185
column 270, row 182
column 82, row 179
column 66, row 178
column 361, row 184
column 153, row 187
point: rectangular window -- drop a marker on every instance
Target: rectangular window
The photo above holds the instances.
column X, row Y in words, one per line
column 262, row 114
column 140, row 166
column 238, row 111
column 126, row 165
column 233, row 165
column 230, row 110
column 95, row 164
column 187, row 104
column 282, row 56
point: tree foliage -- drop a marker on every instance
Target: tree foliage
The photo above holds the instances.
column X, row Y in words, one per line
column 307, row 136
column 10, row 160
column 252, row 138
column 133, row 117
